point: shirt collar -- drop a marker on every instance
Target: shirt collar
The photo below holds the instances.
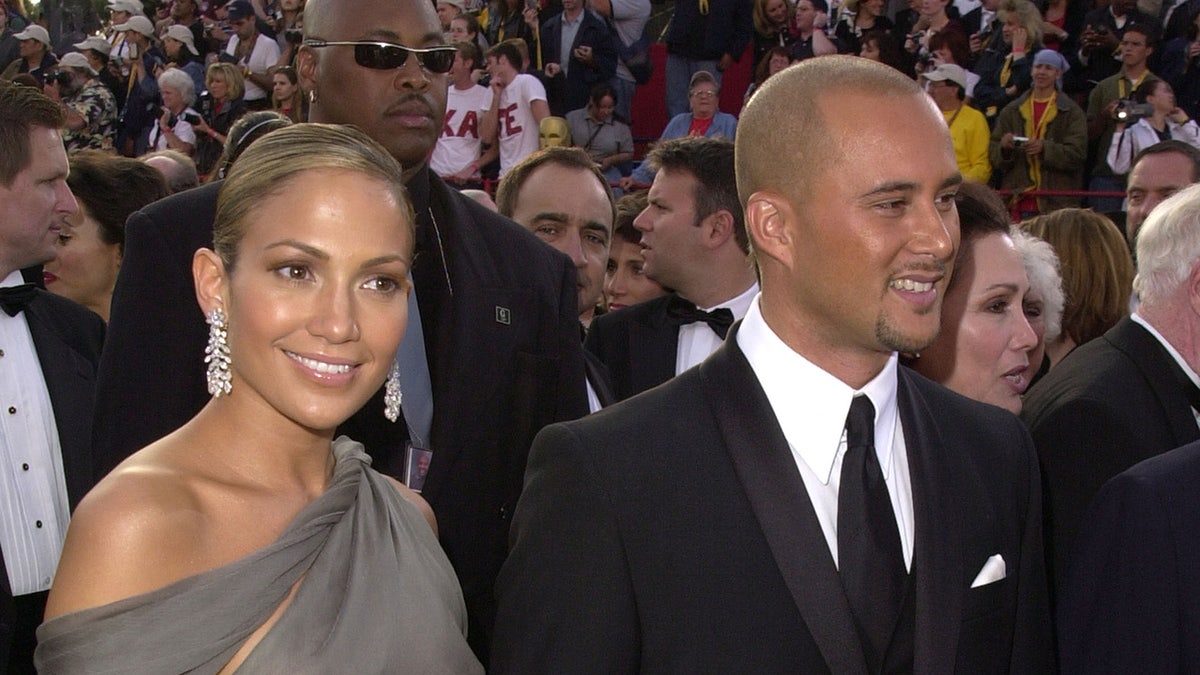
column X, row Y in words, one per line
column 13, row 279
column 1183, row 364
column 809, row 403
column 739, row 304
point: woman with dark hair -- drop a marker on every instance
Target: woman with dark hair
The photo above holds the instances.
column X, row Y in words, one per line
column 250, row 128
column 625, row 281
column 286, row 97
column 1166, row 121
column 859, row 17
column 772, row 27
column 108, row 188
column 953, row 47
column 508, row 19
column 606, row 139
column 982, row 350
column 222, row 106
column 775, row 60
column 882, row 46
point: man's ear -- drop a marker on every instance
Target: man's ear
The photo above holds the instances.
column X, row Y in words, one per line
column 211, row 281
column 767, row 218
column 719, row 226
column 306, row 68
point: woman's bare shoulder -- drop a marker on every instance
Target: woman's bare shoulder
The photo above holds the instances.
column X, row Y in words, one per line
column 416, row 500
column 136, row 531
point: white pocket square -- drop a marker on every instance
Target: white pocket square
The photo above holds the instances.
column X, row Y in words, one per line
column 993, row 571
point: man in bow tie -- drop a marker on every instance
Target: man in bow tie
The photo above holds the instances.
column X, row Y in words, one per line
column 49, row 350
column 797, row 503
column 694, row 242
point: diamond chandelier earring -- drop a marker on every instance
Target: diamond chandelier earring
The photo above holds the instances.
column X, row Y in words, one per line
column 216, row 355
column 392, row 393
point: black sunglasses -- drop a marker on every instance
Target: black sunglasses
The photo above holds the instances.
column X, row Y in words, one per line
column 388, row 56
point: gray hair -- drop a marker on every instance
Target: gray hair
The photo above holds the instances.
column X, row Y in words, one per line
column 1042, row 268
column 1168, row 246
column 181, row 82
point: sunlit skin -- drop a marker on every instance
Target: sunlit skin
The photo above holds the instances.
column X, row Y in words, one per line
column 85, row 269
column 986, row 340
column 218, row 88
column 576, row 221
column 35, row 206
column 672, row 244
column 625, row 281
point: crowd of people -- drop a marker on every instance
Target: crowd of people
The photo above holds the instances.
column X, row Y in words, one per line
column 846, row 381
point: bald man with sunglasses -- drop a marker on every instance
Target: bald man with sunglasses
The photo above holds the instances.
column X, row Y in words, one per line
column 496, row 306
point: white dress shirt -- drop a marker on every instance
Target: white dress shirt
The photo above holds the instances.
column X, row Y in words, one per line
column 1183, row 364
column 697, row 341
column 811, row 406
column 34, row 510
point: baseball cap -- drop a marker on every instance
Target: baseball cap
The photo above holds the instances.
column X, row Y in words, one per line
column 76, row 60
column 240, row 9
column 35, row 32
column 948, row 71
column 184, row 35
column 139, row 24
column 457, row 3
column 133, row 7
column 94, row 43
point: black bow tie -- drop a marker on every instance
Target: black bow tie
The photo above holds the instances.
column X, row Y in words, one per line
column 682, row 312
column 13, row 299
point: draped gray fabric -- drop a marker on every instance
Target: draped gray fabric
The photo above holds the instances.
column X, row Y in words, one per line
column 377, row 596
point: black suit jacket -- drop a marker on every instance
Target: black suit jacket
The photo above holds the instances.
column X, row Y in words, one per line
column 637, row 344
column 68, row 339
column 673, row 533
column 598, row 377
column 502, row 340
column 575, row 89
column 1131, row 603
column 1112, row 403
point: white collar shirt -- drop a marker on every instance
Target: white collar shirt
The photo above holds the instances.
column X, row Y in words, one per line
column 1179, row 360
column 697, row 341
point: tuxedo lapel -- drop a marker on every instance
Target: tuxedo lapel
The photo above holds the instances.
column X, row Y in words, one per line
column 653, row 342
column 598, row 376
column 937, row 551
column 1162, row 374
column 768, row 473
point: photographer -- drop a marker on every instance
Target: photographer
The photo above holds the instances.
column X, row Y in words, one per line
column 173, row 130
column 288, row 22
column 91, row 110
column 1154, row 117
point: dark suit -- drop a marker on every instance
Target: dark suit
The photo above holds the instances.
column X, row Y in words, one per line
column 502, row 341
column 67, row 339
column 673, row 533
column 598, row 377
column 1112, row 403
column 576, row 88
column 637, row 344
column 1131, row 603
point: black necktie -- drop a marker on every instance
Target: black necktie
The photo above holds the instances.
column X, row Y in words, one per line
column 870, row 562
column 682, row 312
column 13, row 299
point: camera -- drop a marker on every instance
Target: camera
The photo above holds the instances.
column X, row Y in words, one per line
column 191, row 118
column 1018, row 141
column 293, row 35
column 59, row 77
column 1130, row 112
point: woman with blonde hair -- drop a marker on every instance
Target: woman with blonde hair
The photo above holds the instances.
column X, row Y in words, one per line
column 772, row 27
column 1005, row 70
column 222, row 106
column 250, row 538
column 1097, row 273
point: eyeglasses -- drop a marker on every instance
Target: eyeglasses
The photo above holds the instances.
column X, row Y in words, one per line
column 704, row 94
column 388, row 56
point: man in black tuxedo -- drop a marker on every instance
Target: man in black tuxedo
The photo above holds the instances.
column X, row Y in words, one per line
column 560, row 196
column 694, row 241
column 496, row 307
column 1131, row 393
column 723, row 522
column 49, row 350
column 1131, row 601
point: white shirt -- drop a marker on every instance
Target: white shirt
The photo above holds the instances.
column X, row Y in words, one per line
column 811, row 406
column 697, row 341
column 459, row 143
column 34, row 510
column 264, row 55
column 515, row 125
column 1187, row 370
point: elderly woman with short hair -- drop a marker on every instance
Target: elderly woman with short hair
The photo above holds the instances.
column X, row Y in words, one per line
column 173, row 130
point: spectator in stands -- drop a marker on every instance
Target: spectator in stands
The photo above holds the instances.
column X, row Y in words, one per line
column 577, row 54
column 810, row 38
column 1158, row 172
column 286, row 96
column 173, row 130
column 447, row 10
column 90, row 109
column 983, row 27
column 882, row 46
column 256, row 53
column 517, row 108
column 625, row 280
column 141, row 102
column 1136, row 46
column 11, row 23
column 1103, row 32
column 1180, row 66
column 108, row 189
column 1097, row 274
column 186, row 14
column 628, row 19
column 775, row 60
column 1062, row 22
column 459, row 154
column 1005, row 67
column 1043, row 306
column 607, row 140
column 1166, row 122
column 120, row 12
column 465, row 28
column 223, row 107
column 982, row 349
column 95, row 49
column 506, row 20
column 176, row 167
column 773, row 27
column 36, row 55
column 704, row 120
column 952, row 47
column 933, row 20
column 946, row 84
column 859, row 17
column 704, row 36
column 289, row 27
column 182, row 53
column 1040, row 140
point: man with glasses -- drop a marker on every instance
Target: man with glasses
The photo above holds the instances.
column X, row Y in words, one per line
column 254, row 52
column 495, row 309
